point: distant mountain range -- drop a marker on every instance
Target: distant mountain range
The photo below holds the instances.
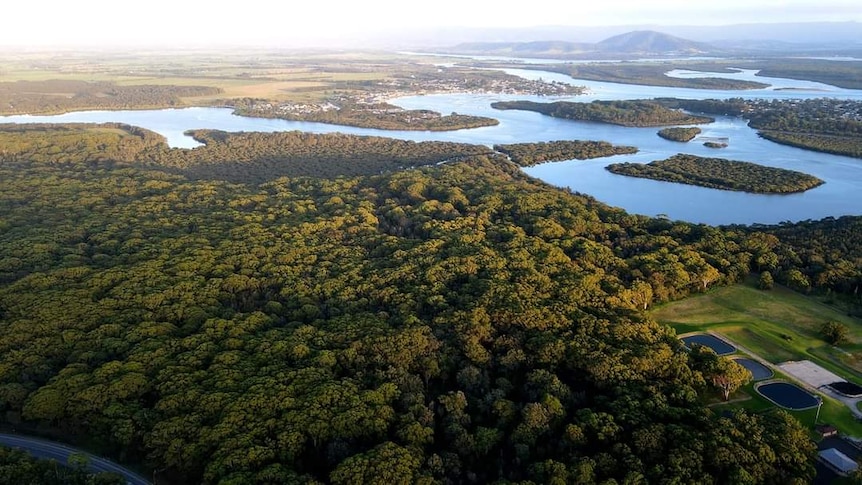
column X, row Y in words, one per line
column 637, row 43
column 807, row 38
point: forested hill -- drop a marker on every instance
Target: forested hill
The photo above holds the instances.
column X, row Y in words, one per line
column 461, row 323
column 642, row 42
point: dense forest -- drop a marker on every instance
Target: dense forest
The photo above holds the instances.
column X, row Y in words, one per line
column 529, row 154
column 60, row 96
column 237, row 157
column 718, row 173
column 19, row 468
column 624, row 113
column 817, row 256
column 382, row 116
column 823, row 124
column 679, row 134
column 460, row 323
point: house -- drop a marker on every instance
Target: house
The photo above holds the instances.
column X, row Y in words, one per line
column 827, row 431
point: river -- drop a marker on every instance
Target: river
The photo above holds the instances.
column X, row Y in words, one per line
column 838, row 196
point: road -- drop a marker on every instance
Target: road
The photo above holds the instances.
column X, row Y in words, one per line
column 59, row 452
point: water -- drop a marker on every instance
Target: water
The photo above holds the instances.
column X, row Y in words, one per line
column 838, row 196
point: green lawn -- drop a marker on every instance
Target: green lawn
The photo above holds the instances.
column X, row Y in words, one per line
column 832, row 411
column 778, row 325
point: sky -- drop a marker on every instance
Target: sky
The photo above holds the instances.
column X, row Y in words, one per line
column 306, row 22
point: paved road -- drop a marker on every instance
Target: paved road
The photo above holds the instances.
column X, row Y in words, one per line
column 51, row 450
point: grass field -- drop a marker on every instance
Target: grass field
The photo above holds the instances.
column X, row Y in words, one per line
column 278, row 76
column 778, row 325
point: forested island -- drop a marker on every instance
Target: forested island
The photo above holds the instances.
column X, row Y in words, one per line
column 452, row 323
column 529, row 154
column 383, row 116
column 823, row 124
column 639, row 113
column 679, row 134
column 718, row 173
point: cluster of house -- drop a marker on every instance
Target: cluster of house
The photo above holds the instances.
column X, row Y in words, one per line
column 477, row 86
column 821, row 107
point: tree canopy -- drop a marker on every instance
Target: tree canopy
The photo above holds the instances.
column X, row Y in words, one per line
column 719, row 173
column 624, row 113
column 456, row 323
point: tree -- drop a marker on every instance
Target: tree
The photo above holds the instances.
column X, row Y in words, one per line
column 835, row 333
column 765, row 282
column 723, row 373
column 730, row 376
column 387, row 463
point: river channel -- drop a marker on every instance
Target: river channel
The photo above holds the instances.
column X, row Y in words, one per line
column 840, row 195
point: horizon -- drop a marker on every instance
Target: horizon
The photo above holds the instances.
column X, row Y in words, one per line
column 333, row 24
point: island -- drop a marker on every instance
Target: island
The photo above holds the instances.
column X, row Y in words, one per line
column 529, row 154
column 719, row 173
column 679, row 134
column 636, row 113
column 821, row 124
column 382, row 116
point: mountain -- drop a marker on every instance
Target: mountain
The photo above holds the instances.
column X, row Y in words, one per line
column 651, row 42
column 547, row 47
column 638, row 43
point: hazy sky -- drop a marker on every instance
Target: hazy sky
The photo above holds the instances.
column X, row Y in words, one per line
column 194, row 22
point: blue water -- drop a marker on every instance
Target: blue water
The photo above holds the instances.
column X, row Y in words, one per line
column 838, row 196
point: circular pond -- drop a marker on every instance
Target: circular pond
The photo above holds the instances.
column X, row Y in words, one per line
column 787, row 395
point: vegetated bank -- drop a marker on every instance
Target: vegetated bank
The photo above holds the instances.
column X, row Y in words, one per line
column 838, row 73
column 823, row 124
column 647, row 74
column 638, row 113
column 453, row 323
column 237, row 157
column 679, row 134
column 719, row 173
column 382, row 116
column 61, row 96
column 529, row 154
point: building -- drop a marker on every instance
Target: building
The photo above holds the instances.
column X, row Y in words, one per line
column 837, row 461
column 827, row 431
